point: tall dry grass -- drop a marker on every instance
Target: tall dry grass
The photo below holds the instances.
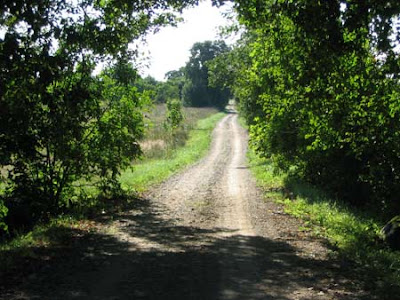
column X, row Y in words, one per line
column 159, row 140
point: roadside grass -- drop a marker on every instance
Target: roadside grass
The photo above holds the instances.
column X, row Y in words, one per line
column 25, row 245
column 353, row 234
column 153, row 171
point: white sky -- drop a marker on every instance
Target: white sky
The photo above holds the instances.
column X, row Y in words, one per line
column 169, row 49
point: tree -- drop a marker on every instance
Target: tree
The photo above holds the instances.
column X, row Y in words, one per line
column 148, row 85
column 174, row 113
column 196, row 91
column 58, row 122
column 175, row 74
column 172, row 88
column 325, row 75
column 161, row 92
column 166, row 91
column 233, row 70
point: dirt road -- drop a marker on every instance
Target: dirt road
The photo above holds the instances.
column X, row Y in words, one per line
column 206, row 233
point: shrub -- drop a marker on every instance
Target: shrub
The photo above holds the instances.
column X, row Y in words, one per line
column 174, row 114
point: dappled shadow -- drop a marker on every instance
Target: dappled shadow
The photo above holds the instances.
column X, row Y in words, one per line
column 151, row 257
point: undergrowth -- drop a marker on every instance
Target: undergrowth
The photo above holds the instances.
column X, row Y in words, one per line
column 352, row 233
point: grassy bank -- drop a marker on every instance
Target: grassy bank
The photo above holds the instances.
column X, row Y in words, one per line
column 352, row 233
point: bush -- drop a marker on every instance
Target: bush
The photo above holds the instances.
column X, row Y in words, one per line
column 174, row 114
column 3, row 214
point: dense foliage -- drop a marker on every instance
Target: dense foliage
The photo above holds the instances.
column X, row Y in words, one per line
column 192, row 84
column 197, row 90
column 318, row 82
column 174, row 114
column 58, row 122
column 172, row 88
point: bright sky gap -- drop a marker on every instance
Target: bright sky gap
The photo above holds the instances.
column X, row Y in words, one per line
column 169, row 48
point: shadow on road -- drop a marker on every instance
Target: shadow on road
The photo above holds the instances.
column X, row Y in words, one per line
column 161, row 260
